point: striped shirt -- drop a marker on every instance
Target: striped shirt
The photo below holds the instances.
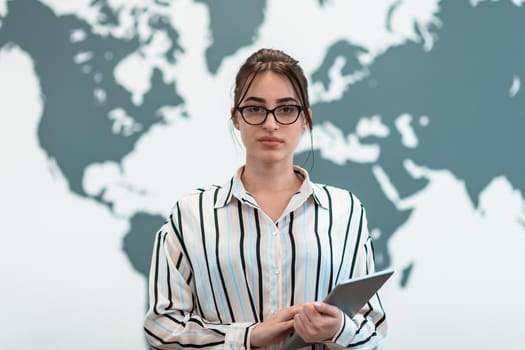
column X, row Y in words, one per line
column 220, row 265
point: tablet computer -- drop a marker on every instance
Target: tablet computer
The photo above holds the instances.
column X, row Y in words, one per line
column 350, row 297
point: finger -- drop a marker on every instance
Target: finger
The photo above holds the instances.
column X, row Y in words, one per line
column 309, row 313
column 284, row 314
column 304, row 329
column 295, row 309
column 287, row 325
column 299, row 326
column 326, row 309
column 282, row 330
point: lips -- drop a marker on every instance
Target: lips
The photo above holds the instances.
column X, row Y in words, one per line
column 270, row 139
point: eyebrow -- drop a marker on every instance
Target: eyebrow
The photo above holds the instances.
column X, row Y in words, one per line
column 262, row 100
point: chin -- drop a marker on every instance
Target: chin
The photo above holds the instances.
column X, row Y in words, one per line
column 272, row 158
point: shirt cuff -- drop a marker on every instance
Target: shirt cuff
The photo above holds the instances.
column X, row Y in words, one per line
column 237, row 336
column 346, row 332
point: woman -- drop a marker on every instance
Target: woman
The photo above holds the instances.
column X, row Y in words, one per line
column 244, row 264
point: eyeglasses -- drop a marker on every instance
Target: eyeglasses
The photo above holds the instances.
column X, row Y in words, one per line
column 256, row 115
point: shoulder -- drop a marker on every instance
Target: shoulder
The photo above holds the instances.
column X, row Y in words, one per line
column 336, row 196
column 206, row 196
column 334, row 192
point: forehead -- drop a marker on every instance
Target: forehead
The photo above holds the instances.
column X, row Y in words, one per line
column 271, row 86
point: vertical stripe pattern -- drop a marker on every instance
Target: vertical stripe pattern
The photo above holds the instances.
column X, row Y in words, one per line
column 220, row 265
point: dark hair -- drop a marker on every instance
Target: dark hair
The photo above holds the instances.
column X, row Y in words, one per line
column 278, row 62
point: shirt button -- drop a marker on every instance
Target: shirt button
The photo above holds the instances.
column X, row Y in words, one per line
column 275, row 233
column 277, row 271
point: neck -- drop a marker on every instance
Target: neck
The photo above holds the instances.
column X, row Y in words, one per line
column 269, row 177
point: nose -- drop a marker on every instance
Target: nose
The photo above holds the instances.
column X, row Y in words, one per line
column 270, row 123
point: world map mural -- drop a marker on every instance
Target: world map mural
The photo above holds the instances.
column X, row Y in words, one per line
column 113, row 109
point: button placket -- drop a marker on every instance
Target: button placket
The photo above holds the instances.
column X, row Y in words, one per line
column 278, row 257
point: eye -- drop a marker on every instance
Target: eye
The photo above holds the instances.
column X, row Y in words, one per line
column 254, row 109
column 288, row 109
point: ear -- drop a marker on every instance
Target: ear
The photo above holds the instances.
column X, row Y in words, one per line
column 235, row 118
column 305, row 123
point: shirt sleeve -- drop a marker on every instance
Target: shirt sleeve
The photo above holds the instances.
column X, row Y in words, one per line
column 172, row 320
column 367, row 329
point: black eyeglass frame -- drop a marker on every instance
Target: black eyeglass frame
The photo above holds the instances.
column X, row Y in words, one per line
column 268, row 111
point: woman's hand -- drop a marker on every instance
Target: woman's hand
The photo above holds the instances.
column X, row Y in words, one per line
column 274, row 329
column 317, row 322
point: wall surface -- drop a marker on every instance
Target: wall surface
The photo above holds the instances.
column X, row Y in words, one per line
column 111, row 110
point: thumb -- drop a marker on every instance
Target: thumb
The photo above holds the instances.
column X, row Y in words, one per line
column 287, row 313
column 326, row 309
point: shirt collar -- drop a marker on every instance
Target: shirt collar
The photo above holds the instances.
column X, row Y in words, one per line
column 235, row 188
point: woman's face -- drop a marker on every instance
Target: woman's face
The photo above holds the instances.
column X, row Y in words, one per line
column 270, row 142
